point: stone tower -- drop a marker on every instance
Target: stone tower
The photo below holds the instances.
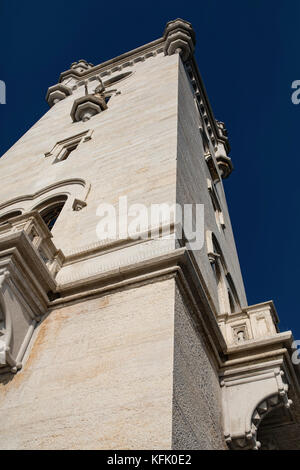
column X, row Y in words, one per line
column 132, row 343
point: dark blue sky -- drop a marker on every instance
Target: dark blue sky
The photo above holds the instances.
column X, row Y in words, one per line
column 248, row 54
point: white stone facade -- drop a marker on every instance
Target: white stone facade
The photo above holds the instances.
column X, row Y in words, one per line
column 132, row 344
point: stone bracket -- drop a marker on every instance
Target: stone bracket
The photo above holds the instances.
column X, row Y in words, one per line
column 179, row 38
column 247, row 397
column 57, row 93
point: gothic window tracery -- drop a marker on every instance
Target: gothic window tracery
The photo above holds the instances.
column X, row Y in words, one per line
column 51, row 215
column 51, row 209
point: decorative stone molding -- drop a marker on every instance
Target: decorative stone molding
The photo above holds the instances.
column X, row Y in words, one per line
column 223, row 161
column 40, row 237
column 179, row 38
column 86, row 107
column 61, row 148
column 248, row 396
column 212, row 167
column 106, row 83
column 29, row 262
column 78, row 204
column 57, row 93
column 223, row 134
column 257, row 322
column 208, row 122
column 81, row 65
column 210, row 127
column 111, row 244
column 257, row 374
column 6, row 359
column 72, row 188
column 216, row 205
column 213, row 257
column 129, row 59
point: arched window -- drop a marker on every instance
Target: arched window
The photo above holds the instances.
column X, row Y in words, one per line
column 51, row 209
column 50, row 215
column 5, row 218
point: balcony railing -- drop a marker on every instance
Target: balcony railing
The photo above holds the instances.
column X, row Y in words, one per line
column 32, row 224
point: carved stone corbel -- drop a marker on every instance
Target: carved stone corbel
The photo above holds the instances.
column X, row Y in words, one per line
column 86, row 107
column 78, row 204
column 57, row 93
column 247, row 398
column 223, row 161
column 81, row 65
column 179, row 38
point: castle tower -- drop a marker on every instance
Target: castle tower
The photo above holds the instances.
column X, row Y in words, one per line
column 122, row 342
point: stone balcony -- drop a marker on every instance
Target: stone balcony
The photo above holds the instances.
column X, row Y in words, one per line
column 29, row 262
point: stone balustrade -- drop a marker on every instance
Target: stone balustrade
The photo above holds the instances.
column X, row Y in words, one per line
column 32, row 224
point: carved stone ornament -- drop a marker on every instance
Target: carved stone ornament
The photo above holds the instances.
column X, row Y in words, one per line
column 247, row 399
column 81, row 65
column 223, row 161
column 179, row 38
column 29, row 262
column 86, row 107
column 78, row 204
column 57, row 93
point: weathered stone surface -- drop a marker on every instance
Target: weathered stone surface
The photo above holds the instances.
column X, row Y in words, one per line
column 130, row 351
column 197, row 417
column 98, row 376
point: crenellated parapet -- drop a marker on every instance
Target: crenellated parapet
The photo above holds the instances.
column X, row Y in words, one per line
column 81, row 65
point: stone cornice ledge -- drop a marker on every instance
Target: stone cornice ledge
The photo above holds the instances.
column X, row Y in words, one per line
column 178, row 263
column 260, row 343
column 108, row 245
column 115, row 62
column 136, row 267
